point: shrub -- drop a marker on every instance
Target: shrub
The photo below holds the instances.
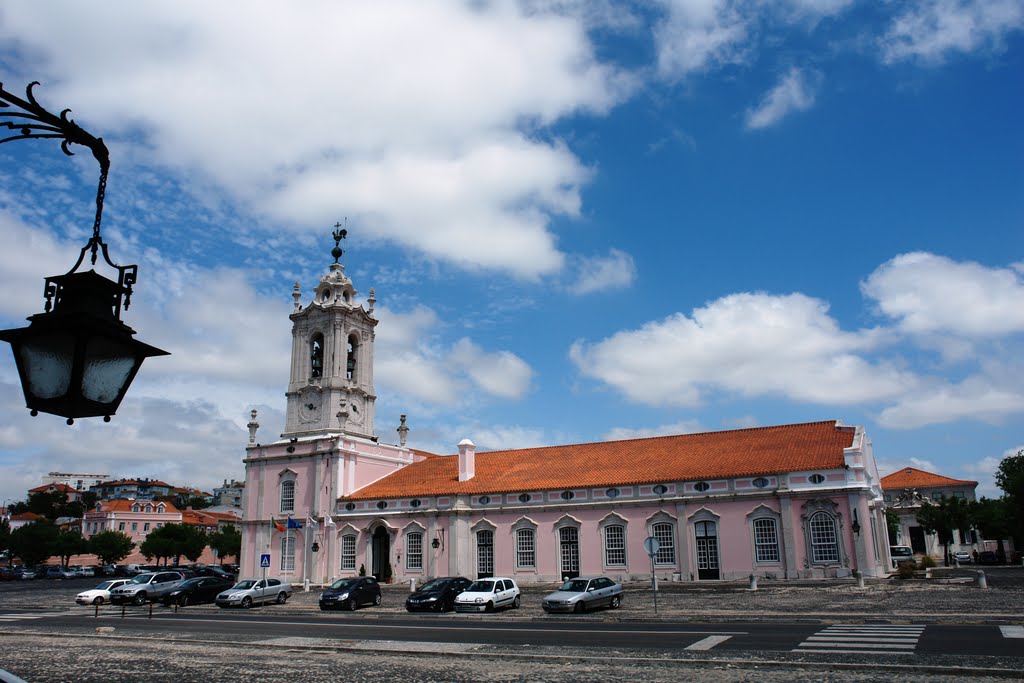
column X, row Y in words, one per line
column 905, row 570
column 927, row 562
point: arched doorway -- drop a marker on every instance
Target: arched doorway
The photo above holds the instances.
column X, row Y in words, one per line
column 707, row 550
column 569, row 552
column 380, row 552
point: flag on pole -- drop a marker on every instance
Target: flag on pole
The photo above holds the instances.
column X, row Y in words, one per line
column 277, row 525
column 310, row 522
column 328, row 521
column 293, row 524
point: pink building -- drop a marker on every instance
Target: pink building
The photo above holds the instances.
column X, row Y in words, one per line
column 136, row 518
column 788, row 501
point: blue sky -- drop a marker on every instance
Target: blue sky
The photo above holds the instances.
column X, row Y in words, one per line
column 582, row 220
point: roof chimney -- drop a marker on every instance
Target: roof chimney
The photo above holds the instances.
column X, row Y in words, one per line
column 467, row 460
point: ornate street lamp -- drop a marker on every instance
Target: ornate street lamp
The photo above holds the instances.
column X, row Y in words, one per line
column 76, row 358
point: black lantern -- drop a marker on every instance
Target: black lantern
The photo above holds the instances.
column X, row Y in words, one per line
column 76, row 358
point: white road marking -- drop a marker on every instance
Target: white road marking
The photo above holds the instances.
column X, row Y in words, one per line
column 863, row 638
column 1012, row 631
column 19, row 616
column 708, row 643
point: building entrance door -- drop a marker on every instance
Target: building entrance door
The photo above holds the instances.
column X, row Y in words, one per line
column 569, row 541
column 707, row 550
column 917, row 539
column 484, row 554
column 380, row 549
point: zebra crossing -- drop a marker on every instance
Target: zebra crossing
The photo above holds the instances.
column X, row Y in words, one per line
column 23, row 616
column 864, row 639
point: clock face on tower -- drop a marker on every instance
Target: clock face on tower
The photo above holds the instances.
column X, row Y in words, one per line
column 310, row 404
column 355, row 411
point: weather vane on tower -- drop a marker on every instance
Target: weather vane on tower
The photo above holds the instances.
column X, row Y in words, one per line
column 339, row 234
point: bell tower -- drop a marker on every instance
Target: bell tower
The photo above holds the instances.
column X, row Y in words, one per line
column 331, row 383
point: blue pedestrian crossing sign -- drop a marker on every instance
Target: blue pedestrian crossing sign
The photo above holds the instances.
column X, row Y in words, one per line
column 265, row 560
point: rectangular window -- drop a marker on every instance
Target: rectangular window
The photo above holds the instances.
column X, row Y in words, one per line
column 135, row 527
column 288, row 552
column 288, row 496
column 614, row 545
column 824, row 542
column 766, row 541
column 959, row 494
column 665, row 534
column 936, row 495
column 526, row 555
column 120, row 526
column 414, row 550
column 145, row 527
column 348, row 552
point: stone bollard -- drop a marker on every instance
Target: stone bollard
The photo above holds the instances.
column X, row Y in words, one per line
column 928, row 573
column 753, row 582
column 860, row 578
column 412, row 585
column 982, row 581
column 305, row 585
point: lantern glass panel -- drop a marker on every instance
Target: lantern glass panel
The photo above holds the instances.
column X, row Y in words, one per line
column 108, row 365
column 47, row 360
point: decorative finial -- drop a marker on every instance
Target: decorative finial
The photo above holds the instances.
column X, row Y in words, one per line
column 253, row 426
column 296, row 294
column 403, row 432
column 339, row 234
column 372, row 300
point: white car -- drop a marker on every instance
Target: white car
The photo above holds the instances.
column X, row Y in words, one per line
column 100, row 594
column 487, row 595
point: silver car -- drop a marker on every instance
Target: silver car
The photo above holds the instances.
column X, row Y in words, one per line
column 145, row 587
column 250, row 591
column 584, row 593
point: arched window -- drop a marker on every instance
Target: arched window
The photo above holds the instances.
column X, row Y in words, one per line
column 316, row 356
column 288, row 495
column 348, row 552
column 350, row 357
column 665, row 534
column 526, row 549
column 615, row 545
column 288, row 551
column 824, row 540
column 414, row 550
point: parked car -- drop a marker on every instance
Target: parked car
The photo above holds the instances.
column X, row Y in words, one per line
column 487, row 595
column 437, row 595
column 100, row 594
column 351, row 593
column 988, row 557
column 251, row 591
column 962, row 556
column 901, row 554
column 59, row 573
column 145, row 587
column 196, row 590
column 584, row 593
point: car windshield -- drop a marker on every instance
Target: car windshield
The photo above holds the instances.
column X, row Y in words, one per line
column 342, row 584
column 142, row 578
column 243, row 585
column 574, row 586
column 106, row 585
column 481, row 587
column 434, row 585
column 188, row 583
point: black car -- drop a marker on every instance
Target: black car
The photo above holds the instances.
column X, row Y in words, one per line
column 988, row 557
column 351, row 593
column 197, row 590
column 437, row 595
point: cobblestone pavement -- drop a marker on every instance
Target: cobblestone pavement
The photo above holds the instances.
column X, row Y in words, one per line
column 950, row 596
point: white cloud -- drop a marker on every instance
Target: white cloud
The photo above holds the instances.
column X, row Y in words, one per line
column 303, row 112
column 976, row 398
column 794, row 92
column 625, row 433
column 931, row 30
column 983, row 471
column 929, row 294
column 749, row 344
column 614, row 271
column 501, row 437
column 499, row 373
column 698, row 35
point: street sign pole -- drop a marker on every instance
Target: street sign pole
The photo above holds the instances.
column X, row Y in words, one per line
column 652, row 546
column 264, row 565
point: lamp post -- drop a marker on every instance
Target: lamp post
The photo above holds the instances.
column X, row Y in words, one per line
column 76, row 358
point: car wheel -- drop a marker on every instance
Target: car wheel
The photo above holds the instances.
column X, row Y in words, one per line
column 183, row 601
column 98, row 600
column 140, row 598
column 246, row 602
column 515, row 603
column 376, row 600
column 281, row 597
column 615, row 602
column 489, row 607
column 351, row 605
column 580, row 608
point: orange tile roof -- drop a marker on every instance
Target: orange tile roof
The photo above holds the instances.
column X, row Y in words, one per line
column 125, row 505
column 911, row 477
column 64, row 488
column 711, row 455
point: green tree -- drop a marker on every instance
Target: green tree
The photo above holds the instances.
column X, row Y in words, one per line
column 111, row 546
column 34, row 542
column 173, row 541
column 943, row 519
column 892, row 525
column 47, row 503
column 227, row 542
column 193, row 542
column 5, row 537
column 993, row 518
column 1010, row 478
column 159, row 545
column 69, row 542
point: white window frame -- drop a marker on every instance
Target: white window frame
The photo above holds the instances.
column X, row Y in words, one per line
column 414, row 550
column 288, row 551
column 287, row 498
column 665, row 533
column 614, row 538
column 348, row 552
column 526, row 548
column 823, row 535
column 765, row 531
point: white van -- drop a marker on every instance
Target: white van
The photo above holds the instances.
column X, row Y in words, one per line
column 901, row 554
